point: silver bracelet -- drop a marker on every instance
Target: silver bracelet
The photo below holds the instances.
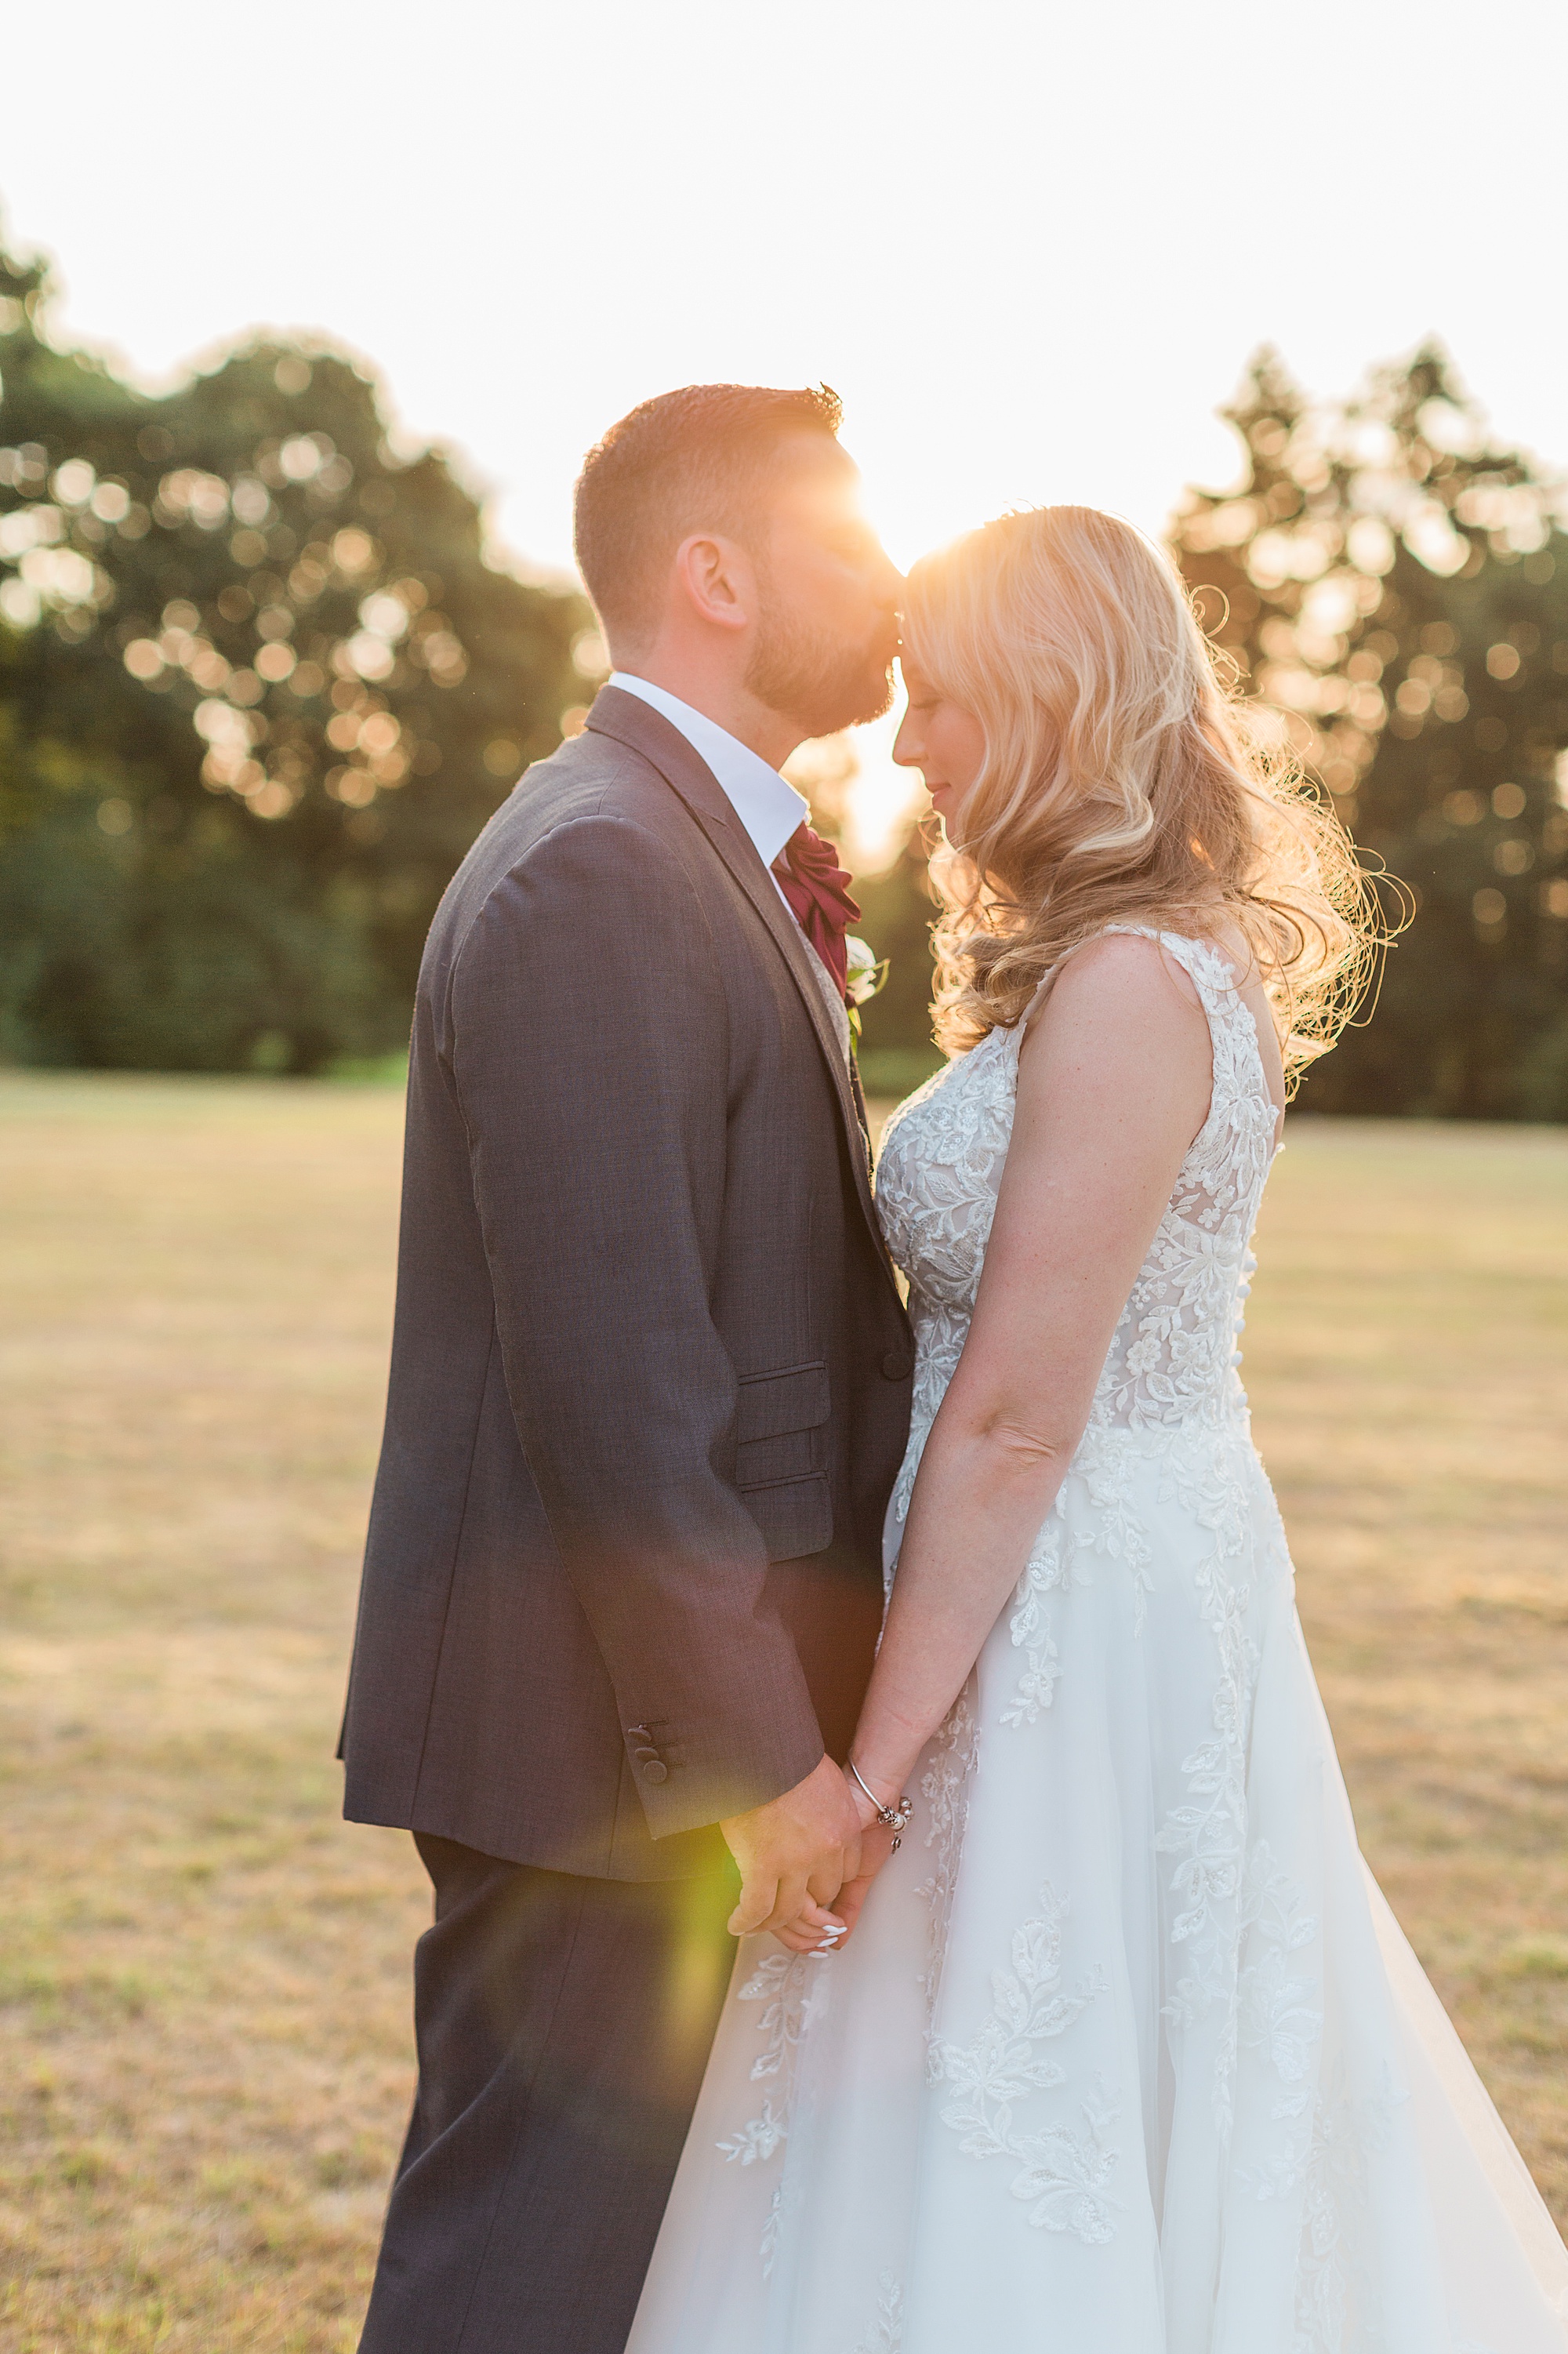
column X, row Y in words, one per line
column 893, row 1819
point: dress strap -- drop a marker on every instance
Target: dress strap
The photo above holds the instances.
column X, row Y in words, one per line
column 1208, row 969
column 1037, row 1001
column 1019, row 1030
column 1239, row 1072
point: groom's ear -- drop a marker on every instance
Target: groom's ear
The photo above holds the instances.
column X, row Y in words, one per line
column 717, row 580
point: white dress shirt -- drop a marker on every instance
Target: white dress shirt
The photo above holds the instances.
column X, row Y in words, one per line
column 767, row 806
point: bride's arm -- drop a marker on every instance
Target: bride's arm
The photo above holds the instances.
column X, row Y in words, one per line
column 1114, row 1084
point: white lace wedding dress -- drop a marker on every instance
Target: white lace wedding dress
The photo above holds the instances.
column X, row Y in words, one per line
column 1128, row 2054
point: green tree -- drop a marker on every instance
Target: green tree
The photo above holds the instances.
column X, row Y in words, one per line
column 897, row 911
column 1394, row 592
column 260, row 688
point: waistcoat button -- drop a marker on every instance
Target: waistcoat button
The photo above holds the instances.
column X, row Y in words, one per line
column 655, row 1770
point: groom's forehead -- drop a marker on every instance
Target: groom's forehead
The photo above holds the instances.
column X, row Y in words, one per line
column 817, row 480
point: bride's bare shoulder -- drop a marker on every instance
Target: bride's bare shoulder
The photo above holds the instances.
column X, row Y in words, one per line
column 1118, row 976
column 1119, row 1062
column 1122, row 1027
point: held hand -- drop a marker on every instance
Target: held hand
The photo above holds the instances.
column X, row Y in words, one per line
column 814, row 1931
column 874, row 1849
column 795, row 1854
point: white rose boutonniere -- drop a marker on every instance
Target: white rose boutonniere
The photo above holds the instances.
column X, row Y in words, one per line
column 864, row 977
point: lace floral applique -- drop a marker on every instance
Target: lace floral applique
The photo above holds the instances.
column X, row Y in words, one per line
column 1173, row 1355
column 1332, row 2266
column 941, row 1162
column 1043, row 1571
column 758, row 2137
column 792, row 1988
column 1276, row 2016
column 1061, row 1560
column 1030, row 1625
column 943, row 1786
column 886, row 2332
column 1209, row 1833
column 1067, row 2174
column 1063, row 2173
column 942, row 1154
column 1037, row 1684
column 1106, row 1464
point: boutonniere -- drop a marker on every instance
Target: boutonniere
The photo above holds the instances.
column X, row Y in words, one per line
column 865, row 976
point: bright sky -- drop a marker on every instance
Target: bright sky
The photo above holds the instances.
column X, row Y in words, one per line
column 1030, row 243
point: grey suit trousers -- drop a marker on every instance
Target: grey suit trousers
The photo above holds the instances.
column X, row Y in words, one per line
column 557, row 2076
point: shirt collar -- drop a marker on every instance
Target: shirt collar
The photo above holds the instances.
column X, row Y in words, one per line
column 767, row 807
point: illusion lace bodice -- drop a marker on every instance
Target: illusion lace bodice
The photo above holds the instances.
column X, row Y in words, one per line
column 1173, row 1358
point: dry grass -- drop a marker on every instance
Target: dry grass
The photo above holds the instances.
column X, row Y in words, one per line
column 203, row 2044
column 1407, row 1356
column 204, row 2038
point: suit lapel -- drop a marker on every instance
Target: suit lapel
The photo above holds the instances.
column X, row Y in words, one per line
column 631, row 721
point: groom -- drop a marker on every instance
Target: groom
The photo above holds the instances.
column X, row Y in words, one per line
column 650, row 1387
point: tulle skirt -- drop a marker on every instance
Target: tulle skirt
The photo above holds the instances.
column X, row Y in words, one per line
column 1128, row 2054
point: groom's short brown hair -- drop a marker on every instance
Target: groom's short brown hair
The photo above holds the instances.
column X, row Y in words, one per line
column 697, row 459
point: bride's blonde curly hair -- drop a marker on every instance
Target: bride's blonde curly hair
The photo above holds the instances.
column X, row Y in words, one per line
column 1120, row 783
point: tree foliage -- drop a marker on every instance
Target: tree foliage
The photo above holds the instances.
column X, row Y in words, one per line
column 260, row 688
column 897, row 912
column 1394, row 592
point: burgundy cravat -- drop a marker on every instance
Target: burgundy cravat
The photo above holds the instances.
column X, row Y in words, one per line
column 817, row 889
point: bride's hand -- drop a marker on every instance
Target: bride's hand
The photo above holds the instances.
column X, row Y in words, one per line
column 875, row 1847
column 817, row 1930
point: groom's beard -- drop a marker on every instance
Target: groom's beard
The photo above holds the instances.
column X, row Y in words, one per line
column 816, row 681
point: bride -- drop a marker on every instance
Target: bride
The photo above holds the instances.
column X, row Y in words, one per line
column 1121, row 2050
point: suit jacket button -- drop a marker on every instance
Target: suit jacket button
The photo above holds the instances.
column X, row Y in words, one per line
column 897, row 1364
column 655, row 1770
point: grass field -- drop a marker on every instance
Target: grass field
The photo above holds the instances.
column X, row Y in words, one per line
column 205, row 2056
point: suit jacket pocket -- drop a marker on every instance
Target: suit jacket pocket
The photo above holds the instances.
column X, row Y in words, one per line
column 776, row 1418
column 778, row 1457
column 795, row 1516
column 770, row 1405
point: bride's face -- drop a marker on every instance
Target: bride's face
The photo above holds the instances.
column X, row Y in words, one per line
column 943, row 741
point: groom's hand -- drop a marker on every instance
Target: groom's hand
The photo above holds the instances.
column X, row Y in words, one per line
column 795, row 1853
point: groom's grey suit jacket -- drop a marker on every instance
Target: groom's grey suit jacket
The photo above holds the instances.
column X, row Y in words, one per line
column 650, row 1372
